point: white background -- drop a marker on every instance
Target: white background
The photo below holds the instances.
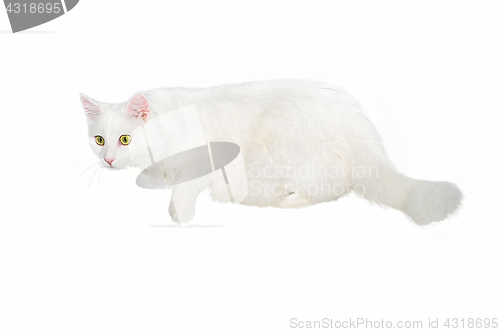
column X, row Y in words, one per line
column 82, row 254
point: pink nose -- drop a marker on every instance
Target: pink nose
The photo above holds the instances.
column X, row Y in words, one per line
column 109, row 161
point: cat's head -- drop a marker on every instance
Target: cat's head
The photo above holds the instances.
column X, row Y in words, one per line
column 110, row 128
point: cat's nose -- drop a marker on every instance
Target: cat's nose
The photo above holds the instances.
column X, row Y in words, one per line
column 109, row 160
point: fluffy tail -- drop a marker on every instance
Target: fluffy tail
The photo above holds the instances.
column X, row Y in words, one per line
column 423, row 201
column 432, row 201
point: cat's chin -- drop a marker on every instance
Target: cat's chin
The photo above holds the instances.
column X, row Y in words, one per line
column 117, row 168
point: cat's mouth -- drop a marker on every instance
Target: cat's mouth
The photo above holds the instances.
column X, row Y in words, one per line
column 107, row 166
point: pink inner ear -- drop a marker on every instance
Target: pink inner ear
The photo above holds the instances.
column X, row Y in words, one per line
column 138, row 106
column 90, row 108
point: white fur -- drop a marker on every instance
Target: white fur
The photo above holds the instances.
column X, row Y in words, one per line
column 282, row 127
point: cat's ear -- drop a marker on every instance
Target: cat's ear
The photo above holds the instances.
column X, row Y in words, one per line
column 138, row 106
column 89, row 106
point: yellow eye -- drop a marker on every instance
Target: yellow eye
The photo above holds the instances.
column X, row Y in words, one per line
column 125, row 139
column 99, row 140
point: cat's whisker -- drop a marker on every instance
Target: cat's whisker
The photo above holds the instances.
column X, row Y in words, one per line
column 85, row 162
column 99, row 176
column 85, row 171
column 92, row 177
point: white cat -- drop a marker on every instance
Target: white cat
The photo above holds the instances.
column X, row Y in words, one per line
column 302, row 142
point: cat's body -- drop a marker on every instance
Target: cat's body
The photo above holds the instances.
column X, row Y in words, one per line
column 302, row 142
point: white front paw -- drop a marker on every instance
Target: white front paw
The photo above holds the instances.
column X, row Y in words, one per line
column 173, row 212
column 181, row 213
